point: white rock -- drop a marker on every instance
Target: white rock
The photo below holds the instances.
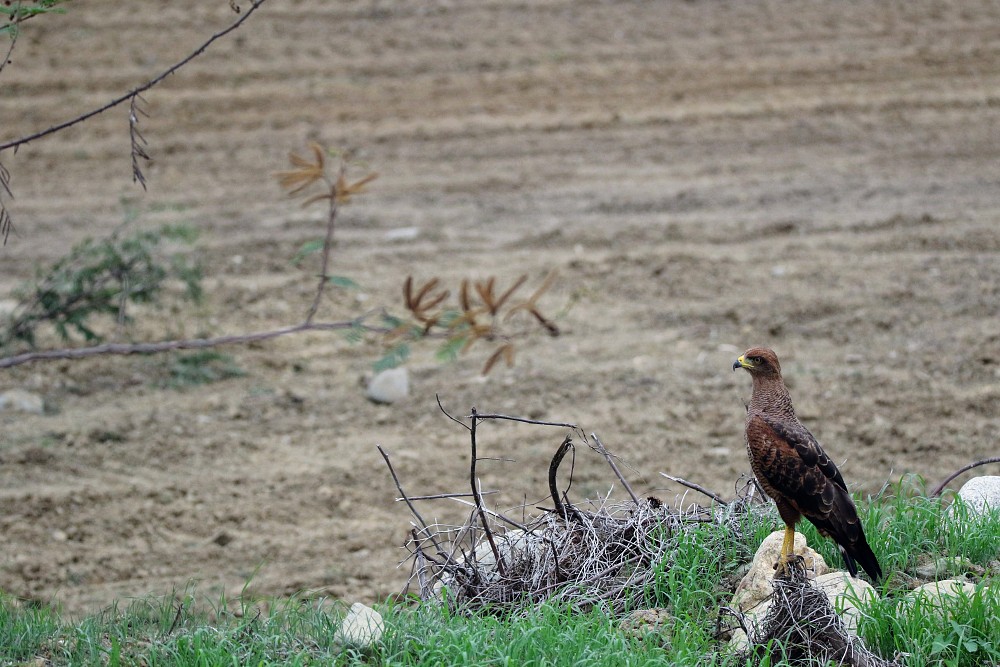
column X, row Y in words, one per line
column 362, row 626
column 19, row 400
column 7, row 307
column 981, row 493
column 390, row 386
column 402, row 234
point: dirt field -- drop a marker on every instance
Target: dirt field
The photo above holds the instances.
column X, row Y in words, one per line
column 818, row 177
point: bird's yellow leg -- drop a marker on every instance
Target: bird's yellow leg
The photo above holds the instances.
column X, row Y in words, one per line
column 787, row 549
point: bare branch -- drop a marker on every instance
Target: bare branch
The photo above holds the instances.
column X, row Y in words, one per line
column 254, row 5
column 440, row 496
column 13, row 35
column 324, row 275
column 525, row 420
column 940, row 487
column 614, row 467
column 501, row 566
column 696, row 487
column 186, row 344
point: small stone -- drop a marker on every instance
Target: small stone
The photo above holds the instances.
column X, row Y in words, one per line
column 390, row 386
column 643, row 622
column 59, row 535
column 223, row 539
column 945, row 566
column 19, row 400
column 362, row 626
column 402, row 234
column 981, row 494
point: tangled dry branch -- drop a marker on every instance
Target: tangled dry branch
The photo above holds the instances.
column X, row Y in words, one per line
column 802, row 628
column 591, row 553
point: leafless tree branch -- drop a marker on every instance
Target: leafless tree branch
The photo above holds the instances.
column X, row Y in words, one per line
column 254, row 5
column 940, row 487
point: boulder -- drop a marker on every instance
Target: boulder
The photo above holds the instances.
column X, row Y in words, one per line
column 756, row 585
column 981, row 494
column 362, row 627
column 937, row 595
column 846, row 593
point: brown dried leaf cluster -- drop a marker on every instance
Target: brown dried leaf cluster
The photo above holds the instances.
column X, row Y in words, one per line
column 308, row 170
column 485, row 312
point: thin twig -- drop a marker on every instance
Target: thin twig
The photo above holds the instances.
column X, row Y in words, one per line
column 413, row 508
column 254, row 5
column 13, row 32
column 439, row 496
column 696, row 487
column 525, row 420
column 501, row 566
column 177, row 618
column 437, row 397
column 602, row 450
column 940, row 487
column 327, row 245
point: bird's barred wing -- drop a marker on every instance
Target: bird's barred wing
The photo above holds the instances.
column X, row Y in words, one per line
column 796, row 467
column 807, row 448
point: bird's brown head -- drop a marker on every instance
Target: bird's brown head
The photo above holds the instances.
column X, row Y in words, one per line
column 760, row 362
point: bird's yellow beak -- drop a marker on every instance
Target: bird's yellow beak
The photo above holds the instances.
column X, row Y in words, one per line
column 741, row 362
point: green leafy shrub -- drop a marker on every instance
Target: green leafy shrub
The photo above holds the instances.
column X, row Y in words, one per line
column 98, row 279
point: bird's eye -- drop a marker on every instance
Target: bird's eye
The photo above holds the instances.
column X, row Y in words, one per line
column 757, row 360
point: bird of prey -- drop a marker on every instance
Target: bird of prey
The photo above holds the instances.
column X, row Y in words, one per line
column 795, row 471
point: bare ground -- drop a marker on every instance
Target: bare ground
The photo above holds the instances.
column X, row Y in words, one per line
column 818, row 177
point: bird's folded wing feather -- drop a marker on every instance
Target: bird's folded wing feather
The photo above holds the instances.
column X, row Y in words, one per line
column 802, row 472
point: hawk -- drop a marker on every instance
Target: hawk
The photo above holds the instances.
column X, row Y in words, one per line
column 795, row 471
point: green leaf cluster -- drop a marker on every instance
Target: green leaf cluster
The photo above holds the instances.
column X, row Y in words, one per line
column 98, row 279
column 19, row 11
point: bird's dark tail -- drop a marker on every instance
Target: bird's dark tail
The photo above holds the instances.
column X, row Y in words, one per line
column 861, row 554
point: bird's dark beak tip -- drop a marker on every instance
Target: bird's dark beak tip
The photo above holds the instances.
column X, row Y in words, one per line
column 736, row 365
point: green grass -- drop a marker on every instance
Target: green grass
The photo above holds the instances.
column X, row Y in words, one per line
column 905, row 528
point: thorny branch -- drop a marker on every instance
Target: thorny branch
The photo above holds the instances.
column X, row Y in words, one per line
column 254, row 6
column 137, row 141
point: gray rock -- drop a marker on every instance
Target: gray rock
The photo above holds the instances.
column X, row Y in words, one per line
column 362, row 627
column 390, row 386
column 19, row 400
column 939, row 597
column 980, row 493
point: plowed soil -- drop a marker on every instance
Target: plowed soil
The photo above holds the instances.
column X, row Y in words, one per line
column 704, row 176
